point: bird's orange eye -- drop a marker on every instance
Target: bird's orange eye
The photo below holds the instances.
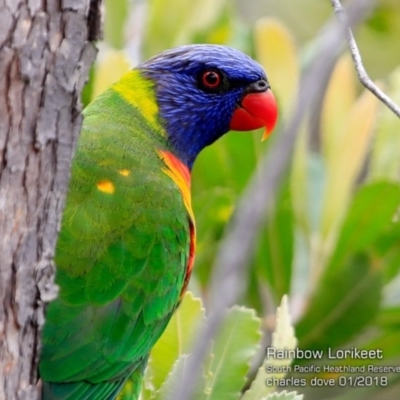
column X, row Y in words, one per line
column 211, row 79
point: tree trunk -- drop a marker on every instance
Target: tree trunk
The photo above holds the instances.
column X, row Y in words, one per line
column 46, row 51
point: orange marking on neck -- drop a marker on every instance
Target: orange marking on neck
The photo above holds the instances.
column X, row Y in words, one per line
column 180, row 174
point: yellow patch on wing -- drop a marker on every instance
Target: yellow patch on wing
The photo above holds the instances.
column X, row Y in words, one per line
column 180, row 174
column 124, row 172
column 106, row 187
column 139, row 92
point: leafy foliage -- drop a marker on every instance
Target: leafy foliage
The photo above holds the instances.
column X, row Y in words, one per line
column 228, row 360
column 282, row 338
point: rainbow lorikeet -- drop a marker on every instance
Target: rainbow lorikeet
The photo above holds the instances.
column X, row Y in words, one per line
column 127, row 242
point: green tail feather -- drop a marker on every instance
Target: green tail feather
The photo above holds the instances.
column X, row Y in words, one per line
column 81, row 391
column 101, row 391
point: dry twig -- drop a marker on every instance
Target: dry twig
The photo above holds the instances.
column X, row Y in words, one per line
column 355, row 54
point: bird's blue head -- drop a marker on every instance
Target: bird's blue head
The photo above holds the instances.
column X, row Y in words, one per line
column 203, row 91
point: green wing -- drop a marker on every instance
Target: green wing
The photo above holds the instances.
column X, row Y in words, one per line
column 122, row 252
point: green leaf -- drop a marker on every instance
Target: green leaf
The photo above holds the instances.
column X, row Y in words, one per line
column 345, row 161
column 275, row 252
column 386, row 339
column 308, row 180
column 174, row 380
column 366, row 220
column 176, row 339
column 349, row 292
column 282, row 338
column 234, row 347
column 388, row 250
column 390, row 317
column 345, row 301
column 388, row 342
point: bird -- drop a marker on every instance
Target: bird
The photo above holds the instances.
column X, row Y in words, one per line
column 127, row 241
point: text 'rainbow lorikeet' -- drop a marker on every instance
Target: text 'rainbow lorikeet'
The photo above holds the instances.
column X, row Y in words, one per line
column 127, row 242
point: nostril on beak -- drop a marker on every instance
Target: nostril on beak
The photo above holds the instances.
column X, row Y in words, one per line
column 260, row 86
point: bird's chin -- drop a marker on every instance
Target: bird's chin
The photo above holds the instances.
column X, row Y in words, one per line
column 256, row 110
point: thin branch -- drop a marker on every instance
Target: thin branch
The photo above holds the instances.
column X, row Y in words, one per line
column 355, row 54
column 230, row 278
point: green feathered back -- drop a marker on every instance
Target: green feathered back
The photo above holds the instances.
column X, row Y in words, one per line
column 122, row 251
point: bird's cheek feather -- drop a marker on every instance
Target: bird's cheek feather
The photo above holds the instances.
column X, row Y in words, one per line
column 256, row 110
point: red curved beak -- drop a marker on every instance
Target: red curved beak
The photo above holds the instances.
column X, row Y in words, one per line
column 257, row 109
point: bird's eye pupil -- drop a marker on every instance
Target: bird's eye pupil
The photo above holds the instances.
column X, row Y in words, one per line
column 211, row 79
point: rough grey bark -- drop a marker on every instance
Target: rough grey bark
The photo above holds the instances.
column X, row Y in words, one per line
column 46, row 50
